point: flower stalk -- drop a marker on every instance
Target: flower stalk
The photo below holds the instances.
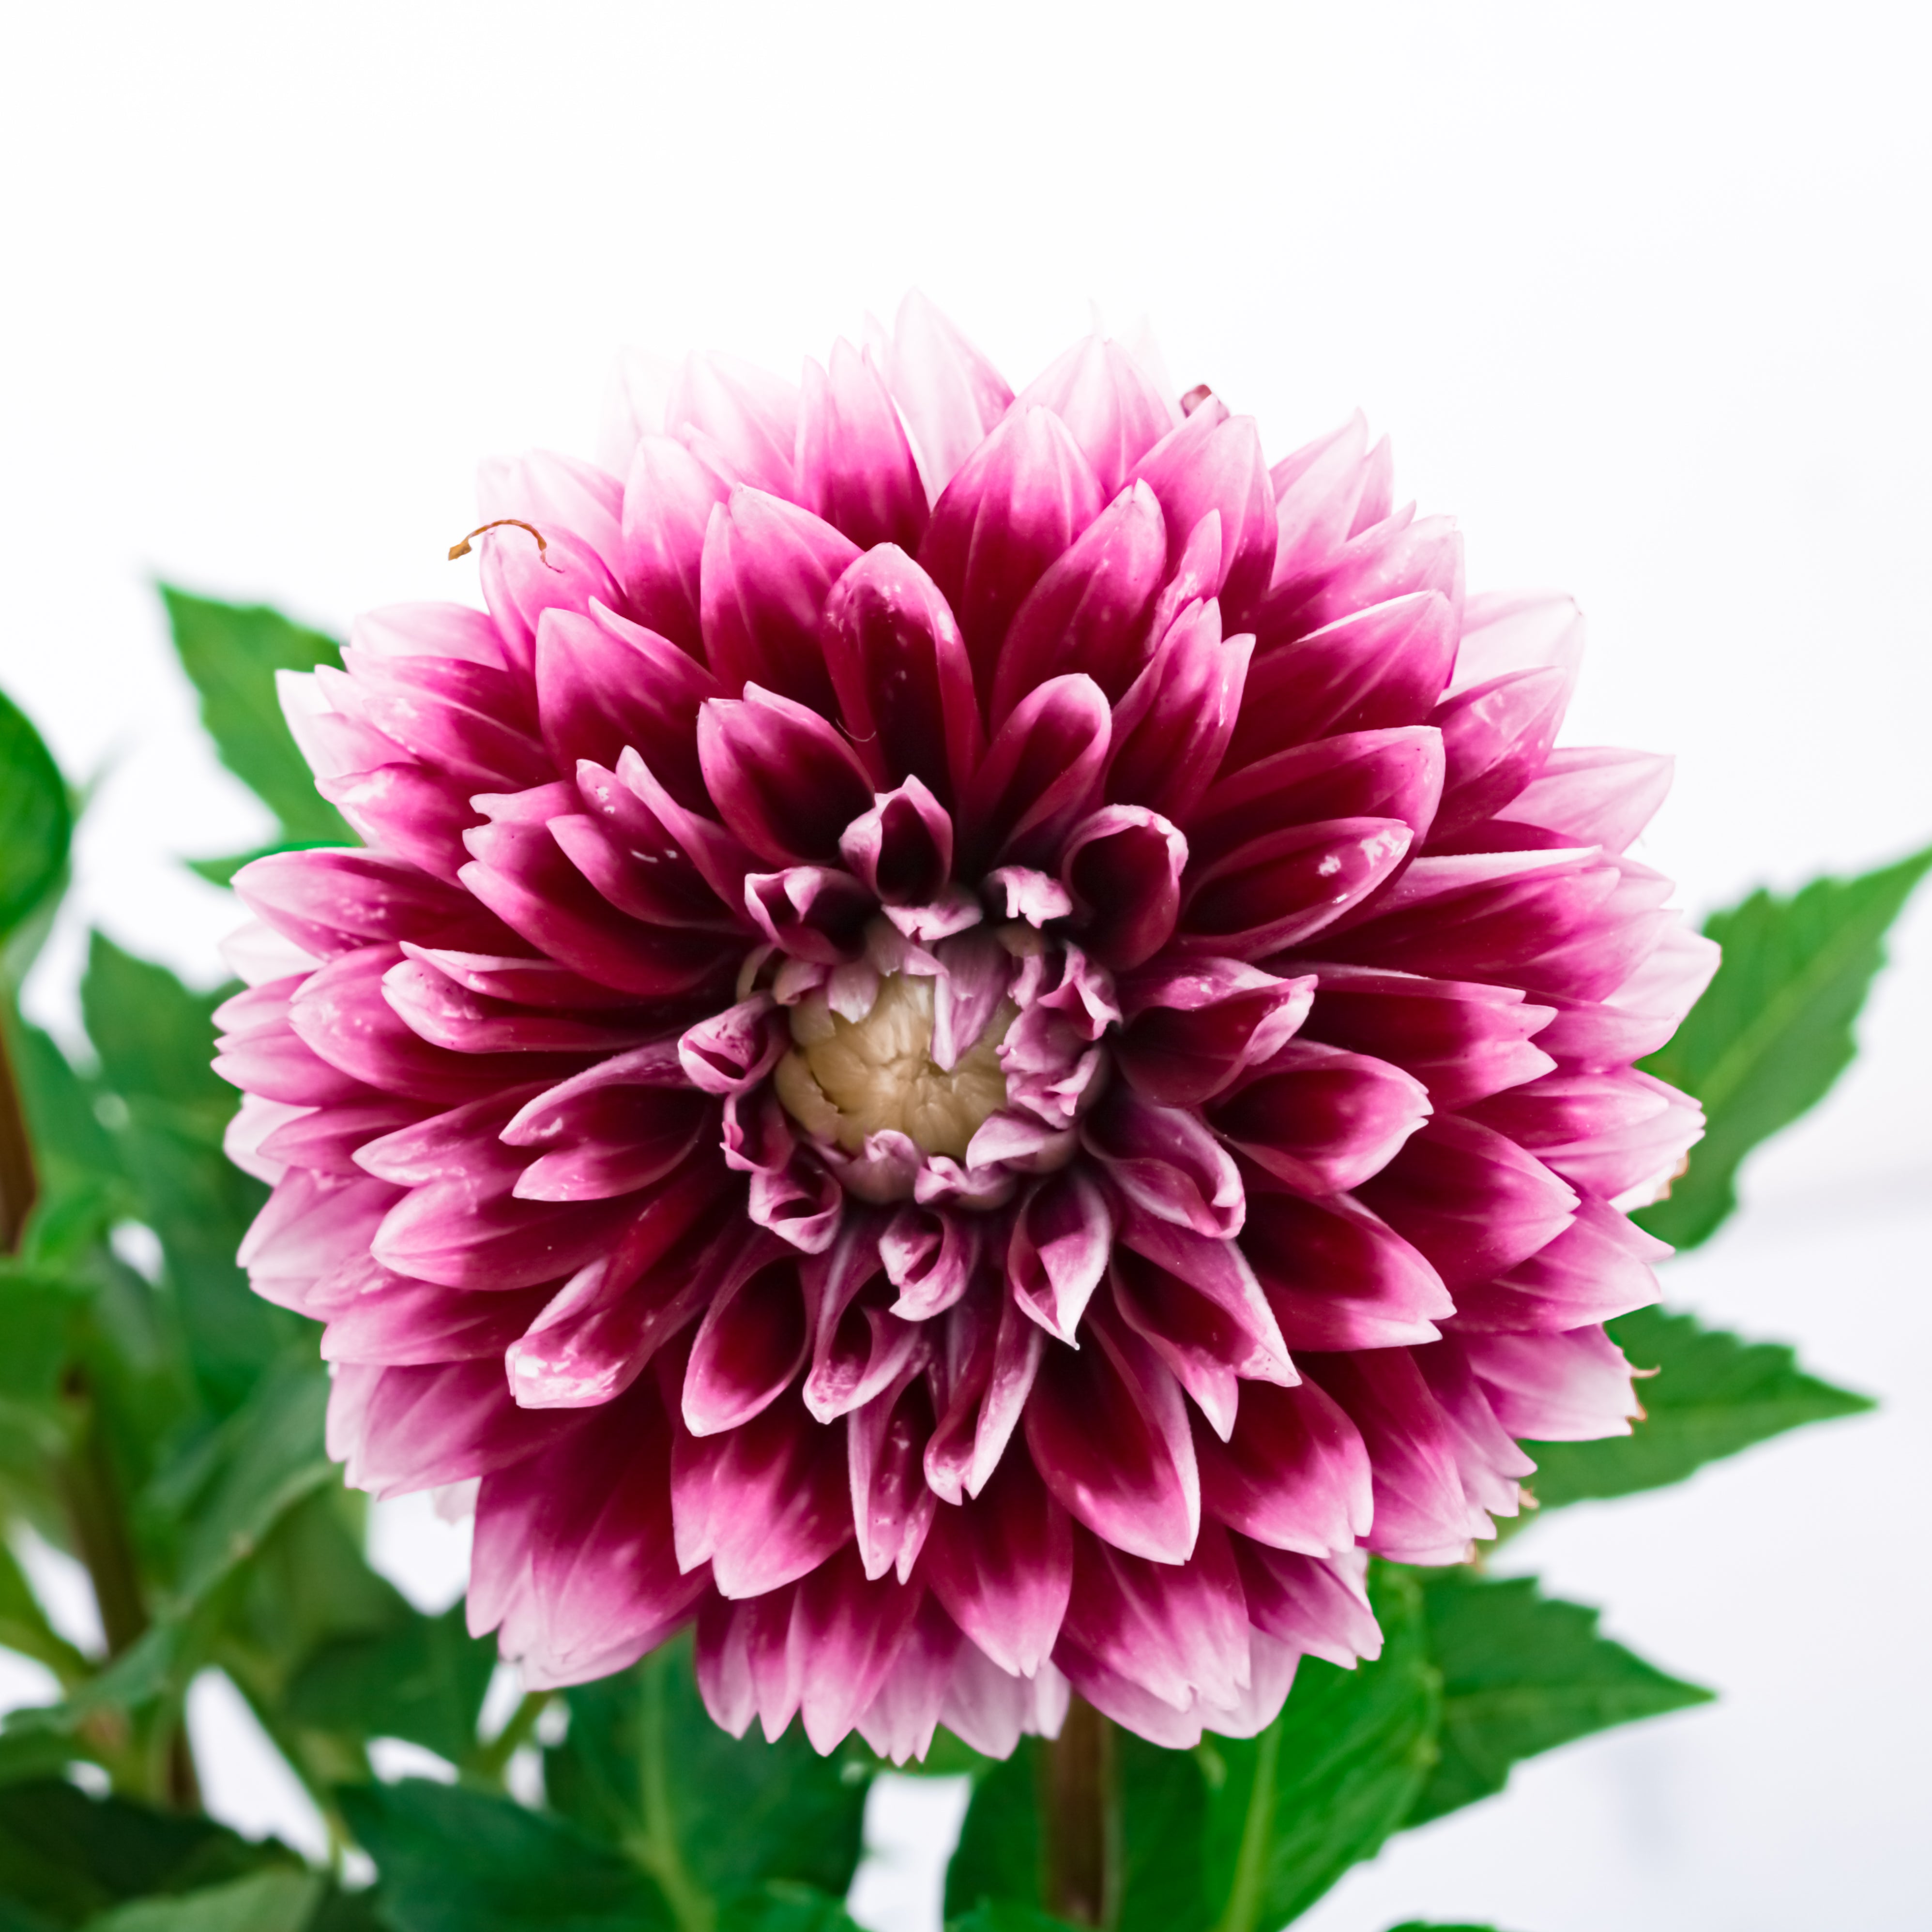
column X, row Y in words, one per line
column 1081, row 1819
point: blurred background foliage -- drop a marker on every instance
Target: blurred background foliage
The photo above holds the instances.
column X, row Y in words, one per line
column 163, row 1428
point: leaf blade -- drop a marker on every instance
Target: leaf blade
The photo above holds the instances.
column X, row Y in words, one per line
column 1521, row 1674
column 1713, row 1395
column 231, row 653
column 1773, row 1030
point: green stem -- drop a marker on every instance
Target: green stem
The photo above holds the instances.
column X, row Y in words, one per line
column 487, row 1762
column 1244, row 1896
column 655, row 1847
column 90, row 1494
column 1080, row 1819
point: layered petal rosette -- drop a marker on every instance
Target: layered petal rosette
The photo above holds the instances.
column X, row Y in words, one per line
column 977, row 1042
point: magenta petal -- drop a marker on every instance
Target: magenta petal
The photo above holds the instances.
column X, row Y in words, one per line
column 1087, row 613
column 749, row 416
column 521, row 579
column 1320, row 1606
column 1041, row 770
column 584, row 1527
column 1318, row 1118
column 1214, row 462
column 1123, row 867
column 331, row 902
column 993, row 1354
column 859, row 1346
column 1505, row 631
column 769, row 567
column 1461, row 1040
column 668, row 499
column 1556, row 1388
column 1593, row 796
column 815, row 913
column 1485, row 916
column 1599, row 1266
column 1490, row 1464
column 847, row 1632
column 765, row 1503
column 892, row 1507
column 753, row 1340
column 1115, row 414
column 951, row 394
column 1172, row 728
column 1395, row 558
column 1395, row 774
column 1606, row 1133
column 1002, row 1564
column 442, row 1011
column 1336, row 1277
column 1015, row 504
column 929, row 1255
column 1422, row 1514
column 600, row 1331
column 604, row 683
column 1281, row 890
column 406, row 812
column 1495, row 740
column 1381, row 667
column 747, row 1666
column 342, row 1013
column 1165, row 1160
column 1294, row 1473
column 472, row 722
column 901, row 851
column 1472, row 1201
column 1058, row 1251
column 608, row 1139
column 853, row 466
column 1210, row 1324
column 401, row 1429
column 784, row 781
column 529, row 983
column 1177, row 1631
column 1108, row 1430
column 521, row 873
column 1320, row 493
column 898, row 666
column 1195, row 1025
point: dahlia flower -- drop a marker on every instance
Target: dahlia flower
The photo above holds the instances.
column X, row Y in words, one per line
column 977, row 1042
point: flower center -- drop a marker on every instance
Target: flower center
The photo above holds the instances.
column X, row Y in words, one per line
column 843, row 1079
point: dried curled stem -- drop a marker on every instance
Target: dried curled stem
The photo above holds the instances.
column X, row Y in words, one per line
column 462, row 549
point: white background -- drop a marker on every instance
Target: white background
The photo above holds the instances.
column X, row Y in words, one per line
column 1640, row 290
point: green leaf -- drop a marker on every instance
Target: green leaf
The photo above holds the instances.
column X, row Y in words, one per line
column 782, row 1906
column 24, row 1625
column 1325, row 1784
column 268, row 1456
column 1773, row 1030
column 1006, row 1914
column 36, row 821
column 424, row 1681
column 1522, row 1673
column 458, row 1861
column 155, row 1038
column 269, row 1901
column 1163, row 1801
column 65, row 1856
column 231, row 652
column 643, row 1765
column 1712, row 1396
column 999, row 1856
